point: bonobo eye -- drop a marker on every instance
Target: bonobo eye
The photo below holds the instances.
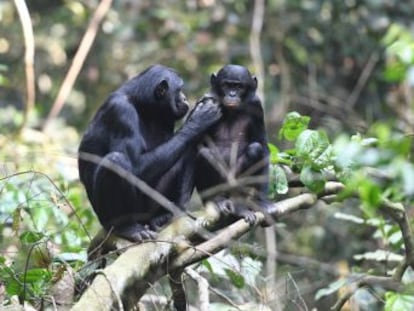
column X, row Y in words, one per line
column 232, row 85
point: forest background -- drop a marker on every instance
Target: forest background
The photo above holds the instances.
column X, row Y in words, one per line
column 348, row 65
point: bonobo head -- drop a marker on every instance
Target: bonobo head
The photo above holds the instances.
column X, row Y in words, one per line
column 233, row 84
column 158, row 89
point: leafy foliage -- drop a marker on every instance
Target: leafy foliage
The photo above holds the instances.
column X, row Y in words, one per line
column 374, row 169
column 322, row 58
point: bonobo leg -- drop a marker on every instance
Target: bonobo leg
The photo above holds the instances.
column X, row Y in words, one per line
column 253, row 160
column 114, row 199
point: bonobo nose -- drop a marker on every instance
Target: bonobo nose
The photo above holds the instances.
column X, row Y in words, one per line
column 183, row 98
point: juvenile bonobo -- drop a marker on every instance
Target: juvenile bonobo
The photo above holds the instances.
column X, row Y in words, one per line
column 232, row 163
column 134, row 130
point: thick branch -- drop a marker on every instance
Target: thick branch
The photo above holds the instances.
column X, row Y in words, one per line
column 131, row 274
column 135, row 269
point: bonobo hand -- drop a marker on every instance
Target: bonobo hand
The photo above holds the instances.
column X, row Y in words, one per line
column 205, row 113
column 255, row 151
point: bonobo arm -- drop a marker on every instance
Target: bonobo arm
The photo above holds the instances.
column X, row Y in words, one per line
column 151, row 165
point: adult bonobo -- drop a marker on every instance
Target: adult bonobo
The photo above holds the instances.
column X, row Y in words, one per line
column 134, row 130
column 232, row 164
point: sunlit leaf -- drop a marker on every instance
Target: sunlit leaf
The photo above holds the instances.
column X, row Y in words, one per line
column 293, row 125
column 37, row 274
column 332, row 288
column 236, row 278
column 379, row 255
column 278, row 180
column 312, row 144
column 313, row 180
column 407, row 173
column 274, row 151
column 398, row 302
column 370, row 194
column 30, row 237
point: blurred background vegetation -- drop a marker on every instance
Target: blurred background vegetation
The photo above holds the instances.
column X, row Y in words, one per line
column 347, row 64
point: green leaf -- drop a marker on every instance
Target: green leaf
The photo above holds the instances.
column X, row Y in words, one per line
column 313, row 180
column 312, row 144
column 370, row 194
column 293, row 125
column 13, row 287
column 41, row 216
column 208, row 266
column 398, row 302
column 274, row 153
column 251, row 270
column 30, row 237
column 332, row 288
column 379, row 255
column 407, row 173
column 278, row 180
column 236, row 278
column 36, row 275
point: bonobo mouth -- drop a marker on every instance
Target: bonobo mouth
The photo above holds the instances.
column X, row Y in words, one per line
column 181, row 108
column 231, row 103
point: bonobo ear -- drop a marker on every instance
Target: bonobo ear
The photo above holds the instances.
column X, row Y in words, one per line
column 213, row 81
column 254, row 84
column 161, row 89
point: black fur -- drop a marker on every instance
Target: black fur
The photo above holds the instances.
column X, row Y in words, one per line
column 235, row 148
column 134, row 130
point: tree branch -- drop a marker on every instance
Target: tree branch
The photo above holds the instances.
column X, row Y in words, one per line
column 147, row 262
column 140, row 265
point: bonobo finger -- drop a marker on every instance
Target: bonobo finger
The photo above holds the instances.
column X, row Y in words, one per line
column 226, row 207
column 147, row 235
column 160, row 221
column 249, row 217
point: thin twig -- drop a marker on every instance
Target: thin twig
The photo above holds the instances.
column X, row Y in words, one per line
column 255, row 46
column 79, row 59
column 363, row 78
column 28, row 57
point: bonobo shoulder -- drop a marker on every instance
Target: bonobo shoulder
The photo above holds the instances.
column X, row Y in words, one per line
column 118, row 110
column 119, row 103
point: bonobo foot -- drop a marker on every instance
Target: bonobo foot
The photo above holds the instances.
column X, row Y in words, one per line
column 248, row 215
column 160, row 221
column 135, row 233
column 229, row 208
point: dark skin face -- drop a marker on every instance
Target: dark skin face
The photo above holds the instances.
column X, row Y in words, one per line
column 232, row 85
column 177, row 100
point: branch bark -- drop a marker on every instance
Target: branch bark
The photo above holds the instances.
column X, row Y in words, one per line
column 132, row 272
column 130, row 275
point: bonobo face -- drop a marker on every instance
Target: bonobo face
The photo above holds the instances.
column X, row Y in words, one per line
column 233, row 84
column 179, row 104
column 169, row 92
